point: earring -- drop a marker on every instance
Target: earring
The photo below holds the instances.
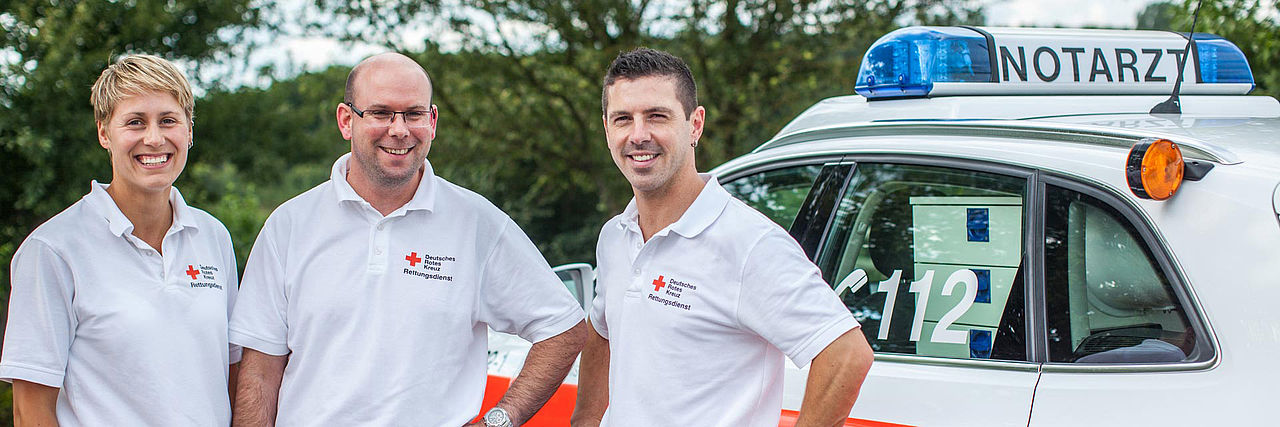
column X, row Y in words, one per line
column 191, row 143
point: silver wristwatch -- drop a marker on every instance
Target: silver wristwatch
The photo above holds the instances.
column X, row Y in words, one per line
column 497, row 417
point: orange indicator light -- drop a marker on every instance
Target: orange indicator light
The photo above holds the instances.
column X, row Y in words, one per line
column 1154, row 169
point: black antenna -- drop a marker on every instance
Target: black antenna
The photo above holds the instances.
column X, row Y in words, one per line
column 1173, row 105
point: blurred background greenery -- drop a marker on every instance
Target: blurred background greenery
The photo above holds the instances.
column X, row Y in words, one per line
column 519, row 107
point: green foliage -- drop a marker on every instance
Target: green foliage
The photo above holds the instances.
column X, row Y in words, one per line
column 48, row 147
column 256, row 148
column 517, row 83
column 520, row 100
column 1250, row 24
column 1158, row 16
column 47, row 135
column 6, row 408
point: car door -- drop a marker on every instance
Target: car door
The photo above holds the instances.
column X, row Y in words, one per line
column 1125, row 343
column 928, row 255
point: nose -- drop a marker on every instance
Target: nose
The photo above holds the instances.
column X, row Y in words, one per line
column 153, row 137
column 399, row 128
column 639, row 133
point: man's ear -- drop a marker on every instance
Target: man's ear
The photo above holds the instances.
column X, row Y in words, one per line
column 435, row 120
column 699, row 118
column 345, row 116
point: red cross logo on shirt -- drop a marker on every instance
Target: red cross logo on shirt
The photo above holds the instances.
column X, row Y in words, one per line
column 658, row 284
column 191, row 271
column 413, row 259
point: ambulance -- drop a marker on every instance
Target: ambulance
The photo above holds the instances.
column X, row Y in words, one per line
column 1034, row 227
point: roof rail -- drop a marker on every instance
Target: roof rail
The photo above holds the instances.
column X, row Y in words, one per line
column 1093, row 135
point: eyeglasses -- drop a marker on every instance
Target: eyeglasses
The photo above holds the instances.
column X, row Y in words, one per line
column 384, row 118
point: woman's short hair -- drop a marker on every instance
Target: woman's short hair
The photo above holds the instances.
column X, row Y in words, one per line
column 138, row 74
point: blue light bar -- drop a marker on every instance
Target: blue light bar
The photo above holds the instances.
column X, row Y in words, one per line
column 1221, row 61
column 942, row 61
column 906, row 62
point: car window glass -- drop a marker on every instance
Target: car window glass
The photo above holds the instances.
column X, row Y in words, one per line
column 570, row 279
column 1106, row 299
column 928, row 259
column 777, row 193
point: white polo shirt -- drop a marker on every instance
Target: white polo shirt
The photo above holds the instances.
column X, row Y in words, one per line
column 129, row 335
column 384, row 318
column 699, row 317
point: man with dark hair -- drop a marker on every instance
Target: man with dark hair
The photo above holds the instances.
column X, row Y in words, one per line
column 367, row 300
column 698, row 296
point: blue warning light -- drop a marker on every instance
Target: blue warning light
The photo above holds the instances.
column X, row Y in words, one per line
column 1221, row 61
column 907, row 62
column 918, row 62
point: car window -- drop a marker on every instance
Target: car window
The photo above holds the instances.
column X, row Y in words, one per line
column 777, row 193
column 929, row 258
column 570, row 279
column 1106, row 298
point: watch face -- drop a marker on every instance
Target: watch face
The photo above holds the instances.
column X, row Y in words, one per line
column 497, row 417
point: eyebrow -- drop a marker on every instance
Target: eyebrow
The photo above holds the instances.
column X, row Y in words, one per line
column 413, row 107
column 646, row 111
column 143, row 114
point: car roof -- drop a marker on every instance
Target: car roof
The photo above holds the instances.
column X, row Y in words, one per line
column 1225, row 129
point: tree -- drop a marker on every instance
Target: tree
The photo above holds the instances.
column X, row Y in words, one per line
column 1158, row 16
column 519, row 85
column 256, row 148
column 47, row 136
column 48, row 148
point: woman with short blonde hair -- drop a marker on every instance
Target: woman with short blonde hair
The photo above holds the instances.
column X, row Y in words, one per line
column 119, row 304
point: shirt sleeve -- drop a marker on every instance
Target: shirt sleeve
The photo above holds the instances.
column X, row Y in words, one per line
column 519, row 293
column 233, row 288
column 41, row 323
column 784, row 299
column 259, row 318
column 597, row 314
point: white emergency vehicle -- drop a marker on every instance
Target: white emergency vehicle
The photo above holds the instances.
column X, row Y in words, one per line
column 1025, row 242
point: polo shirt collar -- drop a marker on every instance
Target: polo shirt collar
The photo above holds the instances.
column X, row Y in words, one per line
column 424, row 198
column 700, row 215
column 102, row 204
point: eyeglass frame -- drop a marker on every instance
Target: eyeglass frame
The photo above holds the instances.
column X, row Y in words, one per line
column 431, row 111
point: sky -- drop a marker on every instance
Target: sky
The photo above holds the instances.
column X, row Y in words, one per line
column 1068, row 13
column 315, row 53
column 293, row 54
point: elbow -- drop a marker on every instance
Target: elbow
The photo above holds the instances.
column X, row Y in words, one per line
column 862, row 356
column 576, row 337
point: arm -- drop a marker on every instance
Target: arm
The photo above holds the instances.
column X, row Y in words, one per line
column 593, row 381
column 233, row 373
column 257, row 388
column 544, row 370
column 34, row 404
column 835, row 377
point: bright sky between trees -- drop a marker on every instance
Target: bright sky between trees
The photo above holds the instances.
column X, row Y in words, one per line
column 313, row 53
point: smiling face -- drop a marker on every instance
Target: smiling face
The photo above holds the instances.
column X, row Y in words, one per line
column 650, row 136
column 387, row 156
column 148, row 136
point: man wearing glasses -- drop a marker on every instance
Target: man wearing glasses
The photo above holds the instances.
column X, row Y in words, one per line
column 366, row 300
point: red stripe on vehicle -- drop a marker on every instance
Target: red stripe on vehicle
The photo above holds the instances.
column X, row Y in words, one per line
column 555, row 413
column 558, row 410
column 789, row 420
